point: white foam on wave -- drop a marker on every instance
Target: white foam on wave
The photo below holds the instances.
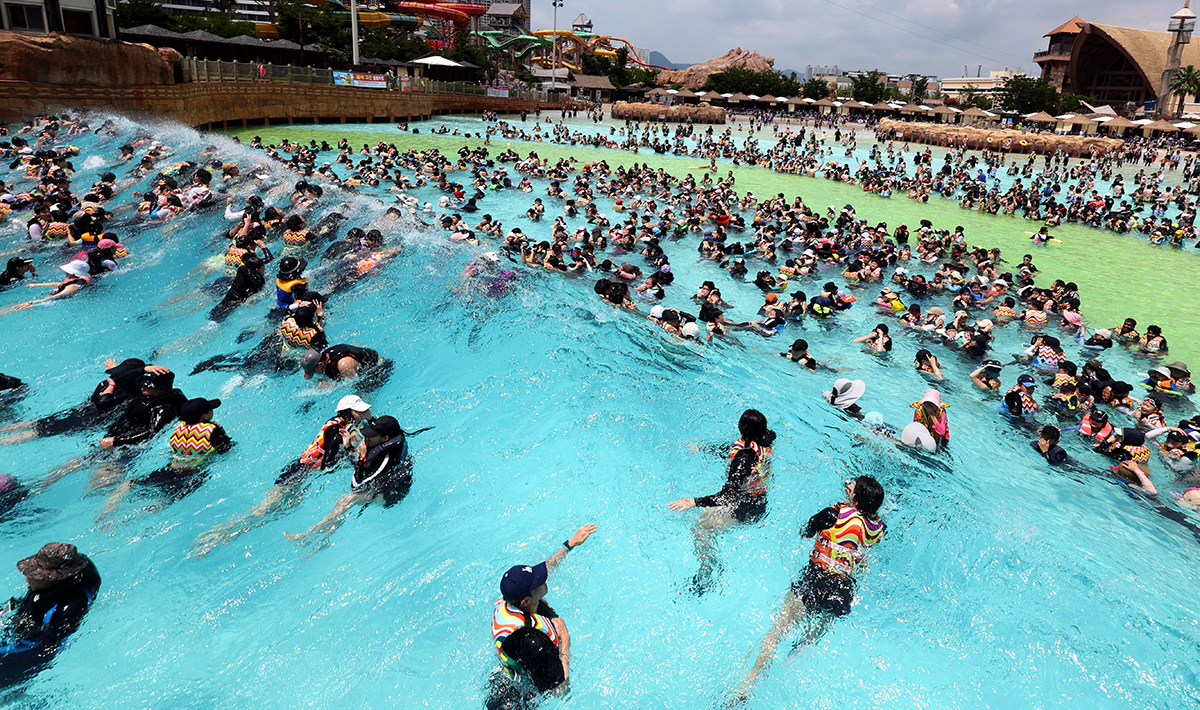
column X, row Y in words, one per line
column 93, row 162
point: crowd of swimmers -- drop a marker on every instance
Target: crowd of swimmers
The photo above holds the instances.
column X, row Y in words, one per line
column 778, row 245
column 1049, row 188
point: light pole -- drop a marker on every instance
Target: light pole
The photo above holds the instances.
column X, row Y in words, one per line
column 1181, row 27
column 554, row 69
column 354, row 31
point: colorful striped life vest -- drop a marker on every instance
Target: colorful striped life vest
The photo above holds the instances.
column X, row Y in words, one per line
column 838, row 549
column 192, row 443
column 506, row 620
column 297, row 336
column 757, row 485
column 295, row 239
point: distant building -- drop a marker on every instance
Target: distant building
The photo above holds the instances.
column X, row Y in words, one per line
column 86, row 18
column 581, row 24
column 245, row 11
column 509, row 17
column 810, row 71
column 987, row 86
column 1116, row 65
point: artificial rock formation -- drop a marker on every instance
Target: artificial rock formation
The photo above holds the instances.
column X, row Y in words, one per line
column 695, row 75
column 80, row 61
column 1008, row 140
column 703, row 113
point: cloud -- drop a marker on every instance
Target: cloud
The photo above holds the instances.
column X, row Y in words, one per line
column 936, row 37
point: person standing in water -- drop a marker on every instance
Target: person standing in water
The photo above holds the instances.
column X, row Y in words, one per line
column 743, row 498
column 844, row 533
column 531, row 638
column 62, row 585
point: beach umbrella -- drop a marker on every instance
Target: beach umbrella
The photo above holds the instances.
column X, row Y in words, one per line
column 824, row 102
column 881, row 106
column 1193, row 131
column 768, row 99
column 711, row 96
column 684, row 93
column 853, row 104
column 1041, row 117
column 1158, row 125
column 739, row 96
column 913, row 108
column 1119, row 124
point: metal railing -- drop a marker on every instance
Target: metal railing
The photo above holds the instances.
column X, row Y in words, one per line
column 214, row 70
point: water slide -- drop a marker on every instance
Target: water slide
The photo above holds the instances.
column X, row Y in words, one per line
column 601, row 45
column 500, row 41
column 366, row 18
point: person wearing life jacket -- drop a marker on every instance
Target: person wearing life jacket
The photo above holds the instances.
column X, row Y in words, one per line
column 295, row 236
column 1126, row 332
column 382, row 473
column 1152, row 341
column 1095, row 425
column 1149, row 413
column 301, row 331
column 844, row 533
column 339, row 362
column 743, row 498
column 290, row 284
column 197, row 437
column 77, row 278
column 194, row 441
column 987, row 377
column 1128, row 447
column 531, row 639
column 1024, row 389
column 62, row 583
column 931, row 414
column 340, row 433
column 1180, row 377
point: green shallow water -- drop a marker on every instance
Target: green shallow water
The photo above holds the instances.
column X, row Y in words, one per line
column 1119, row 276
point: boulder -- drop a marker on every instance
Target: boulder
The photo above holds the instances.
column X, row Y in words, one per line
column 695, row 75
column 82, row 61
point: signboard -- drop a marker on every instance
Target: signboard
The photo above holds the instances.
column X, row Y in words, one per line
column 1149, row 107
column 500, row 92
column 362, row 81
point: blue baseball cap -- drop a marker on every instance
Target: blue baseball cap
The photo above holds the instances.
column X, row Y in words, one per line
column 1027, row 381
column 520, row 580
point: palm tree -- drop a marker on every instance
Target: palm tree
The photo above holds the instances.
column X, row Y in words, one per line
column 1185, row 82
column 920, row 85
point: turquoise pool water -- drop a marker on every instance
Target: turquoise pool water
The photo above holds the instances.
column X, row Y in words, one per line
column 1001, row 582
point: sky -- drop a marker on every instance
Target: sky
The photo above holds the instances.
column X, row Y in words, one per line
column 997, row 34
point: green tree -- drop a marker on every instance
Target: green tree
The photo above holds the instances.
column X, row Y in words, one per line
column 759, row 83
column 321, row 26
column 1072, row 103
column 867, row 88
column 920, row 87
column 135, row 13
column 815, row 88
column 218, row 23
column 1185, row 82
column 1023, row 94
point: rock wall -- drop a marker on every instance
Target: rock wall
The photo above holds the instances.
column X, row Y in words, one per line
column 1017, row 141
column 67, row 60
column 703, row 113
column 219, row 104
column 695, row 75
